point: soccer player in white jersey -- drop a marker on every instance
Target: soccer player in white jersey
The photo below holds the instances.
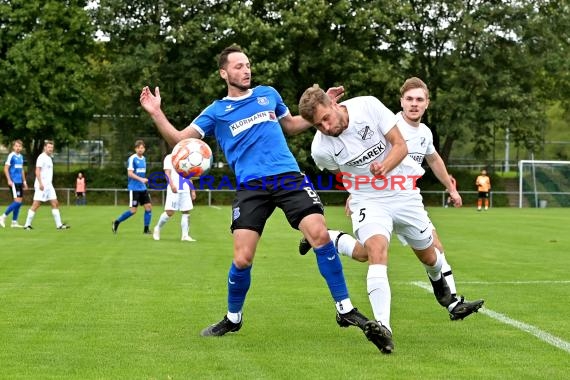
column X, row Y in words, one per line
column 43, row 188
column 16, row 178
column 179, row 196
column 419, row 141
column 359, row 140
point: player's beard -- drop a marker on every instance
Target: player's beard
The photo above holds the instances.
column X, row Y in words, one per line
column 240, row 86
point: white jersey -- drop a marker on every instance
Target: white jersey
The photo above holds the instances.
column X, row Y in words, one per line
column 45, row 163
column 181, row 183
column 418, row 139
column 359, row 145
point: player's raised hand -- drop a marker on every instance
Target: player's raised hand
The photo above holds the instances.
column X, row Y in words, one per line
column 335, row 93
column 150, row 102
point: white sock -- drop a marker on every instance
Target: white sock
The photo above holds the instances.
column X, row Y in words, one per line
column 234, row 317
column 30, row 217
column 344, row 306
column 56, row 217
column 184, row 225
column 379, row 293
column 345, row 244
column 162, row 220
column 434, row 272
column 446, row 270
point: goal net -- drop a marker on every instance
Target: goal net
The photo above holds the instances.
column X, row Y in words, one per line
column 544, row 183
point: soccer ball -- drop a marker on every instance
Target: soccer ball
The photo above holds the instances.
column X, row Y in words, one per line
column 191, row 158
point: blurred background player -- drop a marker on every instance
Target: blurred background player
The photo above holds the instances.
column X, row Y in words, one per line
column 483, row 183
column 16, row 178
column 43, row 188
column 138, row 193
column 179, row 196
column 80, row 190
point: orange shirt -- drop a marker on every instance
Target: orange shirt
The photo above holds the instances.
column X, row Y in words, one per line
column 483, row 183
column 80, row 185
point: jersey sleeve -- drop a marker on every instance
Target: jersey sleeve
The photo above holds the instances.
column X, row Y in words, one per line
column 429, row 140
column 9, row 159
column 281, row 108
column 167, row 163
column 385, row 117
column 322, row 155
column 205, row 123
column 131, row 163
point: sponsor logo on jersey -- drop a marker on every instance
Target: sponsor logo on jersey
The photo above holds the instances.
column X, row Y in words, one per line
column 418, row 157
column 244, row 124
column 368, row 155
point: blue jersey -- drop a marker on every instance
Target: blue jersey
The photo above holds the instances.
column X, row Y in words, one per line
column 138, row 166
column 248, row 131
column 15, row 161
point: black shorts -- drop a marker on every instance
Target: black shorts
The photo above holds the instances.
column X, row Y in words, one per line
column 256, row 200
column 17, row 190
column 137, row 198
column 483, row 194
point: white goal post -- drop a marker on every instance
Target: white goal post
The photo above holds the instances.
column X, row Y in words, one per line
column 528, row 177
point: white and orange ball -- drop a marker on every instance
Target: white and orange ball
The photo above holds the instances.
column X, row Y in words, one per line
column 191, row 158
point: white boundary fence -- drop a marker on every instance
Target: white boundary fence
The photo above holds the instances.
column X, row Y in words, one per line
column 67, row 195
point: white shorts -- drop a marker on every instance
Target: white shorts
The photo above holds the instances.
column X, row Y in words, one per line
column 178, row 201
column 48, row 194
column 403, row 214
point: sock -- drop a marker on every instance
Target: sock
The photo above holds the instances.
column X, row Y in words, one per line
column 379, row 293
column 331, row 269
column 448, row 274
column 162, row 220
column 30, row 217
column 147, row 218
column 184, row 224
column 479, row 203
column 239, row 281
column 234, row 317
column 10, row 208
column 16, row 213
column 124, row 216
column 56, row 216
column 434, row 272
column 345, row 244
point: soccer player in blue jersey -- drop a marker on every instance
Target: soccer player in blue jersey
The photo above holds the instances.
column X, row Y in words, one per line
column 16, row 177
column 249, row 125
column 138, row 193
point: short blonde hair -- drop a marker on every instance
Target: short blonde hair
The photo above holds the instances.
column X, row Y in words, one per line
column 311, row 98
column 413, row 83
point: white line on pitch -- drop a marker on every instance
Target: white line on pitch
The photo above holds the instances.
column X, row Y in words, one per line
column 517, row 282
column 216, row 207
column 542, row 335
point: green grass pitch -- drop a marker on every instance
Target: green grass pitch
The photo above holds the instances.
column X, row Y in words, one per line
column 86, row 304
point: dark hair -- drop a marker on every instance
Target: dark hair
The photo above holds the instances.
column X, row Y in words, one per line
column 223, row 57
column 139, row 143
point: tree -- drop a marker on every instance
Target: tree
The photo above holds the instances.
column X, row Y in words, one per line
column 46, row 53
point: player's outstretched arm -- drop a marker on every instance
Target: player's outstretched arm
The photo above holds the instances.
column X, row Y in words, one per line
column 437, row 165
column 151, row 103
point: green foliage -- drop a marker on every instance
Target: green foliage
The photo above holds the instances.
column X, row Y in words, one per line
column 46, row 87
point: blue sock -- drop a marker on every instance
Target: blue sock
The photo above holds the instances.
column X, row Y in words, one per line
column 147, row 217
column 239, row 281
column 331, row 269
column 16, row 211
column 124, row 216
column 10, row 208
